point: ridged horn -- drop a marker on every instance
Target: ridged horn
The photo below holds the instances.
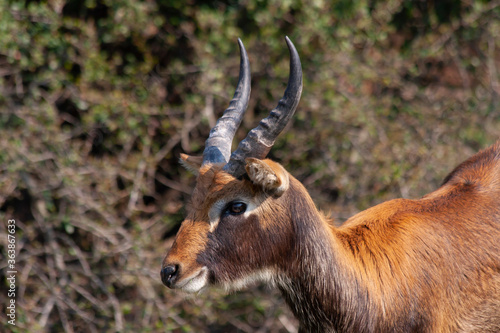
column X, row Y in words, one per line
column 218, row 144
column 260, row 140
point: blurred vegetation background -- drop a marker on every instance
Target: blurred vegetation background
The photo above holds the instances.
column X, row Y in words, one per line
column 99, row 97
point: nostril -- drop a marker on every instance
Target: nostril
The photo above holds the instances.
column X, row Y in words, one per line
column 168, row 274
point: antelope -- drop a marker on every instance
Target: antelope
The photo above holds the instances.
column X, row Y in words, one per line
column 425, row 265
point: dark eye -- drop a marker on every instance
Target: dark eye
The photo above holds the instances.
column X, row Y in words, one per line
column 235, row 208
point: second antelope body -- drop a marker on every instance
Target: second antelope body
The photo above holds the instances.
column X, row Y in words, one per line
column 426, row 265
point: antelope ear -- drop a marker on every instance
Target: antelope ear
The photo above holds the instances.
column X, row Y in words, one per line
column 269, row 175
column 191, row 163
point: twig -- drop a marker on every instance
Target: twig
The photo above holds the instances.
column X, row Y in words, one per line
column 240, row 325
column 117, row 311
column 68, row 328
column 175, row 139
column 134, row 194
column 186, row 128
column 172, row 184
column 461, row 69
column 28, row 264
column 126, row 149
column 492, row 69
column 88, row 296
column 82, row 314
column 148, row 310
column 287, row 324
column 458, row 24
column 22, row 16
column 47, row 309
column 79, row 254
column 208, row 111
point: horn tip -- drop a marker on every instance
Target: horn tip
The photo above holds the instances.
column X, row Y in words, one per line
column 243, row 52
column 240, row 43
column 290, row 45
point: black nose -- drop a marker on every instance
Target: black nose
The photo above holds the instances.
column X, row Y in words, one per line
column 168, row 274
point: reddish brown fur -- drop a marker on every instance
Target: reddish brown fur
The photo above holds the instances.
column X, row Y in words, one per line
column 427, row 265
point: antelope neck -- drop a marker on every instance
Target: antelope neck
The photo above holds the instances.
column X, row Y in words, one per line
column 314, row 278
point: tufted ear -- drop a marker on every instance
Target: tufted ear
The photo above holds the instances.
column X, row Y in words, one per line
column 269, row 175
column 191, row 163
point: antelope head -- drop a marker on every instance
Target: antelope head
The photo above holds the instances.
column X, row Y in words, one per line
column 236, row 230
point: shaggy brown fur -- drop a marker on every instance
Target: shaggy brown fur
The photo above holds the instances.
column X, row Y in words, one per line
column 427, row 265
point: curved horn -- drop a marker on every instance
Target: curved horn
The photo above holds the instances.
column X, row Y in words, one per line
column 218, row 144
column 259, row 141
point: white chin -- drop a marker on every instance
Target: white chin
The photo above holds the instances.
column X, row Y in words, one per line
column 195, row 283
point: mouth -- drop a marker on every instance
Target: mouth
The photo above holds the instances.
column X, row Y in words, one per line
column 195, row 282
